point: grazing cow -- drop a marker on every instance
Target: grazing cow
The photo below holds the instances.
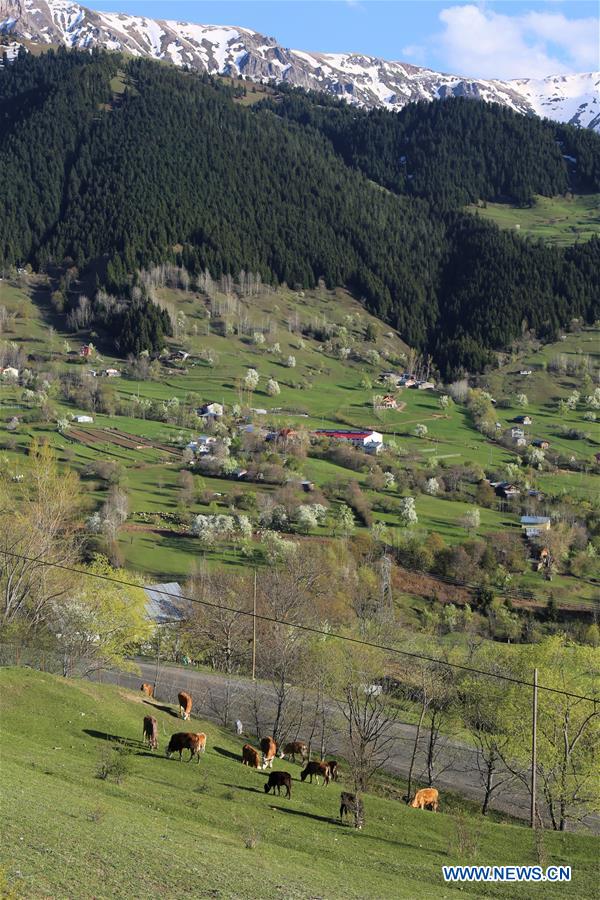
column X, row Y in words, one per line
column 185, row 704
column 250, row 756
column 350, row 803
column 150, row 732
column 147, row 689
column 318, row 769
column 293, row 748
column 268, row 749
column 279, row 780
column 428, row 798
column 334, row 770
column 195, row 743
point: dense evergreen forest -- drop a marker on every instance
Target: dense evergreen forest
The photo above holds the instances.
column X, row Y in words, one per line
column 296, row 189
column 452, row 152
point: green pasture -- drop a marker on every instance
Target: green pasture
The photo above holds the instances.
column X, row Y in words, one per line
column 171, row 829
column 556, row 220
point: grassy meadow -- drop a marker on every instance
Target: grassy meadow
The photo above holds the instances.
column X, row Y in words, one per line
column 208, row 830
column 554, row 220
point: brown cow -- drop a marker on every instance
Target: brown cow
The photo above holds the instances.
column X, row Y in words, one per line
column 147, row 689
column 334, row 769
column 150, row 732
column 428, row 798
column 279, row 780
column 293, row 748
column 318, row 769
column 250, row 756
column 195, row 743
column 185, row 704
column 269, row 751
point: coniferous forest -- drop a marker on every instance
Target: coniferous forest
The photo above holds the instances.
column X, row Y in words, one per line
column 296, row 188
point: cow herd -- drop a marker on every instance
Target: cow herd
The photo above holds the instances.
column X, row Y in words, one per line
column 428, row 798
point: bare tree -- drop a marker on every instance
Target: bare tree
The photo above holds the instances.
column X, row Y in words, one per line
column 369, row 716
column 222, row 635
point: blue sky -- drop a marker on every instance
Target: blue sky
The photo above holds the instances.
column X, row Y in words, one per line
column 505, row 38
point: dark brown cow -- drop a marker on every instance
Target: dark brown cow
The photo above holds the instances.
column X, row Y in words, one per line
column 150, row 732
column 293, row 748
column 185, row 740
column 334, row 769
column 268, row 749
column 147, row 689
column 277, row 780
column 185, row 704
column 318, row 769
column 250, row 756
column 349, row 803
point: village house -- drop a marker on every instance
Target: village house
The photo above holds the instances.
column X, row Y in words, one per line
column 523, row 420
column 202, row 445
column 425, row 386
column 370, row 441
column 526, row 372
column 505, row 489
column 540, row 444
column 86, row 351
column 210, row 411
column 388, row 402
column 407, row 380
column 517, row 434
column 112, row 373
column 83, row 419
column 535, row 525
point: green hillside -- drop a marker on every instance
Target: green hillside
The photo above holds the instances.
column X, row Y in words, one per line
column 322, row 390
column 106, row 174
column 556, row 220
column 170, row 828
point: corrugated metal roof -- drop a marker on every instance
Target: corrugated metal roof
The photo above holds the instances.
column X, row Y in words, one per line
column 165, row 603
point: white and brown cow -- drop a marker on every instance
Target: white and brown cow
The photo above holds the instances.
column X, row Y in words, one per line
column 268, row 748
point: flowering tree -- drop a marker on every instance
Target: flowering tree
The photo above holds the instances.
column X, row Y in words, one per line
column 432, row 487
column 408, row 511
column 273, row 388
column 251, row 379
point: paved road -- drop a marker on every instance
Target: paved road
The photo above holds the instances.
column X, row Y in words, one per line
column 457, row 763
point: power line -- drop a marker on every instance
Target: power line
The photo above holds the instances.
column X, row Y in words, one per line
column 309, row 628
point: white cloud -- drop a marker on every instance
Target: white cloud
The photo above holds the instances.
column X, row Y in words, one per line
column 482, row 43
column 414, row 52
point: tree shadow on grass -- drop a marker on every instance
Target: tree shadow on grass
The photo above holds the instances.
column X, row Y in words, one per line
column 298, row 812
column 113, row 738
column 227, row 753
column 166, row 709
column 240, row 787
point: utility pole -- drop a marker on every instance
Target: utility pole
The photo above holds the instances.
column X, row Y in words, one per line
column 254, row 631
column 534, row 749
column 157, row 659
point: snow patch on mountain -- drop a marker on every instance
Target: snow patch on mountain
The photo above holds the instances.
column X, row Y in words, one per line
column 363, row 80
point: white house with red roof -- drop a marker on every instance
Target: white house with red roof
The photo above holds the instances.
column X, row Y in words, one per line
column 370, row 441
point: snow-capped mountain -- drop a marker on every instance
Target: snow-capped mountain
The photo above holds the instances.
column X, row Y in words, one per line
column 364, row 80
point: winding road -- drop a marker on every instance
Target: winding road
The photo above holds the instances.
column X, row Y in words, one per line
column 456, row 762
